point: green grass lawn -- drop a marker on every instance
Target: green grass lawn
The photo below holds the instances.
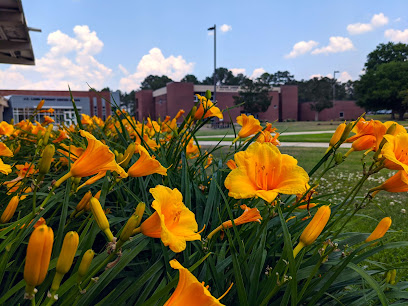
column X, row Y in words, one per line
column 341, row 179
column 344, row 177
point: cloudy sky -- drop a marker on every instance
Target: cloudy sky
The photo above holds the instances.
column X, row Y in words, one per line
column 118, row 43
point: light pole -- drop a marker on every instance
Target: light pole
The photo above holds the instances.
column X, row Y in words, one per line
column 334, row 85
column 214, row 28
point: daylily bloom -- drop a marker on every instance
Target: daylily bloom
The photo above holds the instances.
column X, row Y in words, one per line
column 47, row 120
column 50, row 110
column 86, row 119
column 190, row 291
column 172, row 221
column 146, row 164
column 380, row 230
column 249, row 124
column 192, row 150
column 96, row 159
column 62, row 135
column 210, row 109
column 25, row 170
column 395, row 151
column 6, row 129
column 231, row 164
column 70, row 151
column 249, row 215
column 266, row 136
column 396, row 183
column 313, row 229
column 5, row 151
column 262, row 171
column 38, row 258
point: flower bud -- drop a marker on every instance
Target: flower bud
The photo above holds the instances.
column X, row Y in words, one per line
column 100, row 218
column 48, row 133
column 128, row 155
column 85, row 264
column 65, row 259
column 46, row 159
column 38, row 257
column 346, row 131
column 337, row 134
column 127, row 231
column 83, row 203
column 119, row 158
column 10, row 209
column 393, row 274
column 338, row 158
column 208, row 94
column 380, row 230
column 40, row 105
column 314, row 228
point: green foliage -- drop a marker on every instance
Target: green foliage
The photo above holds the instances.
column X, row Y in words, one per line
column 386, row 53
column 154, row 82
column 254, row 95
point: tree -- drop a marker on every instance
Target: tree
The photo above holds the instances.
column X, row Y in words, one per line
column 255, row 96
column 128, row 101
column 319, row 91
column 386, row 53
column 190, row 78
column 154, row 82
column 224, row 76
column 384, row 87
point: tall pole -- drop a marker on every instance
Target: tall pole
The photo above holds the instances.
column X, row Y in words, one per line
column 214, row 28
column 334, row 85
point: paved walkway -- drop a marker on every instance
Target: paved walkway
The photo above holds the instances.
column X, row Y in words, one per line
column 283, row 134
column 211, row 143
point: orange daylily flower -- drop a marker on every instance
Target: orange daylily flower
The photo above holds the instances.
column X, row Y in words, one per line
column 62, row 135
column 395, row 152
column 396, row 183
column 26, row 170
column 192, row 150
column 6, row 129
column 4, row 150
column 50, row 110
column 380, row 230
column 231, row 164
column 146, row 164
column 86, row 119
column 96, row 159
column 172, row 221
column 262, row 171
column 190, row 291
column 266, row 136
column 249, row 215
column 70, row 151
column 47, row 120
column 210, row 109
column 249, row 124
column 179, row 114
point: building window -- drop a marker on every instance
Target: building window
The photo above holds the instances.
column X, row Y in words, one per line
column 95, row 106
column 341, row 115
column 275, row 106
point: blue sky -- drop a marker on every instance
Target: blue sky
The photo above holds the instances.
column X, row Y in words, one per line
column 119, row 43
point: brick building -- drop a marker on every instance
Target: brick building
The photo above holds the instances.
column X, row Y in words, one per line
column 179, row 95
column 22, row 103
column 341, row 110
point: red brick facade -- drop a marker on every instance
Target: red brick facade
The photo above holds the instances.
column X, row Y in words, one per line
column 341, row 110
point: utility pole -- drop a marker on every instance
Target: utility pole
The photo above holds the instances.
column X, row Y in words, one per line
column 214, row 28
column 334, row 85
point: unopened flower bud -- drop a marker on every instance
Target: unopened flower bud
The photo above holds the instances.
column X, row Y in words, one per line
column 85, row 264
column 338, row 158
column 10, row 210
column 84, row 201
column 100, row 218
column 40, row 105
column 380, row 230
column 346, row 132
column 208, row 94
column 65, row 259
column 46, row 159
column 128, row 155
column 337, row 134
column 48, row 133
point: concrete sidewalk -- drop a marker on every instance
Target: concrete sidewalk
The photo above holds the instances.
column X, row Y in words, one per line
column 283, row 144
column 282, row 134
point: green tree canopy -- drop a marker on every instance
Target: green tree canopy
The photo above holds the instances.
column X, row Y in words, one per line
column 384, row 87
column 385, row 53
column 254, row 95
column 154, row 82
column 190, row 78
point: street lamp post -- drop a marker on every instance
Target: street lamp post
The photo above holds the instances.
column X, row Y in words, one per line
column 334, row 85
column 214, row 28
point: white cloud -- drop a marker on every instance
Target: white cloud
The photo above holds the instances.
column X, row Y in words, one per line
column 344, row 76
column 397, row 35
column 257, row 73
column 69, row 61
column 156, row 64
column 236, row 71
column 123, row 69
column 225, row 28
column 336, row 44
column 397, row 19
column 378, row 20
column 301, row 47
